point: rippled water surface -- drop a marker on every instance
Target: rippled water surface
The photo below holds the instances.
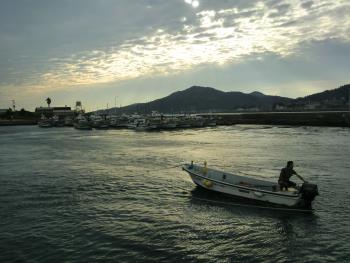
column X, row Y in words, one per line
column 116, row 196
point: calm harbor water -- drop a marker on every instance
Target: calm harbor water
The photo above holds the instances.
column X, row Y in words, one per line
column 116, row 196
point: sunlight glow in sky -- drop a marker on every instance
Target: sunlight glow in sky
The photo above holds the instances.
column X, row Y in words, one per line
column 208, row 34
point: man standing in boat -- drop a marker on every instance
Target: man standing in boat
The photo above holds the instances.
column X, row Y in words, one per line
column 287, row 173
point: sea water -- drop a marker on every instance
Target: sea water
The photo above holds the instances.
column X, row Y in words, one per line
column 120, row 196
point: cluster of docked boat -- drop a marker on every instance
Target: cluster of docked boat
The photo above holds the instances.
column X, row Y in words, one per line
column 54, row 121
column 135, row 122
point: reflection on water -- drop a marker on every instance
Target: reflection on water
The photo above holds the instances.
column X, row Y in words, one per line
column 93, row 196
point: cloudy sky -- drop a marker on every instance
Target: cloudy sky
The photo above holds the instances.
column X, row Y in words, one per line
column 126, row 51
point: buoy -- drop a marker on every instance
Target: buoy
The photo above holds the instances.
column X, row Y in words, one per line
column 207, row 183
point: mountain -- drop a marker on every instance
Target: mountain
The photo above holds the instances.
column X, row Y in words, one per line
column 199, row 99
column 340, row 94
column 329, row 100
column 257, row 94
column 206, row 99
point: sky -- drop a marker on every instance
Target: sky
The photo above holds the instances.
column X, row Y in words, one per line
column 117, row 52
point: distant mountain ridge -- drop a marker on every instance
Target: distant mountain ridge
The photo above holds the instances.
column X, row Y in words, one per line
column 199, row 99
column 341, row 93
column 257, row 94
column 206, row 99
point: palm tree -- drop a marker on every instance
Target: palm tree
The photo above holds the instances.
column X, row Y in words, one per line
column 48, row 101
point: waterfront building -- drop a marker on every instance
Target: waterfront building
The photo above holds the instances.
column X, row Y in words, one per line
column 52, row 111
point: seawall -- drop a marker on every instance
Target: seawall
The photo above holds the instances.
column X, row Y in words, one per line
column 18, row 122
column 333, row 119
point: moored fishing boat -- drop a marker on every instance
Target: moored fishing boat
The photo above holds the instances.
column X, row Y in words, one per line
column 167, row 123
column 196, row 121
column 119, row 121
column 210, row 122
column 98, row 122
column 44, row 122
column 68, row 121
column 82, row 123
column 57, row 122
column 261, row 191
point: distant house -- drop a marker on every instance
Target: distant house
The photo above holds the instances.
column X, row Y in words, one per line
column 253, row 109
column 312, row 105
column 280, row 107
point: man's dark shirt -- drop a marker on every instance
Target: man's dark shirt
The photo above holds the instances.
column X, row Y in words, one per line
column 286, row 173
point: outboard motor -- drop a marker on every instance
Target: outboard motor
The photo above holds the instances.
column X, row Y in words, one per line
column 309, row 192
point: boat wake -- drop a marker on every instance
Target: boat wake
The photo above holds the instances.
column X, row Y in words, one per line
column 253, row 206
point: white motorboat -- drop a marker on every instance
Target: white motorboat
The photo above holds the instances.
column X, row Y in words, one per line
column 168, row 123
column 144, row 125
column 210, row 122
column 82, row 123
column 44, row 122
column 98, row 122
column 56, row 122
column 119, row 121
column 68, row 121
column 261, row 191
column 195, row 121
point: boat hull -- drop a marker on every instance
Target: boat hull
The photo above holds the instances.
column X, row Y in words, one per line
column 82, row 127
column 45, row 124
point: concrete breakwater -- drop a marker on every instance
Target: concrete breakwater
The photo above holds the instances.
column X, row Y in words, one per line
column 326, row 118
column 335, row 119
column 18, row 122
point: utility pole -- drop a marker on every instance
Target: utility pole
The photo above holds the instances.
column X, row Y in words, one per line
column 14, row 105
column 349, row 99
column 115, row 104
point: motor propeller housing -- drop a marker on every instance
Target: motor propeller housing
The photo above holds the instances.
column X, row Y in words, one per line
column 309, row 192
